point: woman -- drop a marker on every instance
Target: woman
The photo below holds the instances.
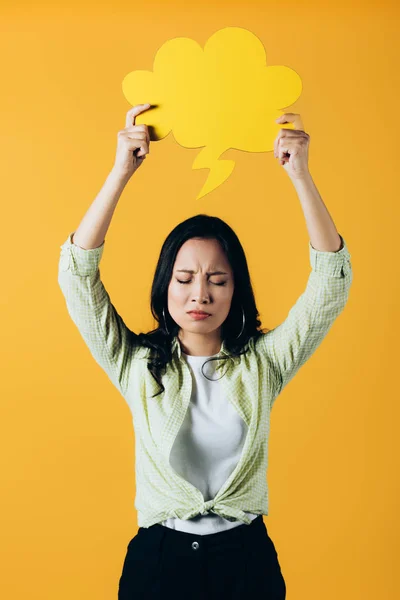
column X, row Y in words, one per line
column 201, row 388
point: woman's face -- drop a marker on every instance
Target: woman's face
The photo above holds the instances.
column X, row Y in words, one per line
column 208, row 288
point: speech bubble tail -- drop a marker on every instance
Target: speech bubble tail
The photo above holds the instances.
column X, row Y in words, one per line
column 201, row 194
column 219, row 172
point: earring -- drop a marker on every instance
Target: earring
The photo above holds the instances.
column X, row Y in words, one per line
column 241, row 331
column 166, row 328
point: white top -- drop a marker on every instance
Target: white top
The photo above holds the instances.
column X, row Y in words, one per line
column 208, row 445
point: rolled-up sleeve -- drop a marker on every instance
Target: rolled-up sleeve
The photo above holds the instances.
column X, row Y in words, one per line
column 291, row 343
column 109, row 340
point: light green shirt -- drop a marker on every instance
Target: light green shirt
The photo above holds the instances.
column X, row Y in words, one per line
column 252, row 382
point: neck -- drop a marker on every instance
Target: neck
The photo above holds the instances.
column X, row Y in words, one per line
column 196, row 344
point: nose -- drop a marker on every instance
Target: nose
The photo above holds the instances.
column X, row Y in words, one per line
column 200, row 292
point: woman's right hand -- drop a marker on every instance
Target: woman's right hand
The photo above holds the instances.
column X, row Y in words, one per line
column 130, row 139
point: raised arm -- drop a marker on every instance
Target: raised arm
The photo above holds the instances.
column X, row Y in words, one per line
column 293, row 342
column 110, row 341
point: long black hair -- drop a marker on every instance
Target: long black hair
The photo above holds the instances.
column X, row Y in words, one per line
column 159, row 340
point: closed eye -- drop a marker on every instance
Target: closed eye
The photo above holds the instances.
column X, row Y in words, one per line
column 223, row 283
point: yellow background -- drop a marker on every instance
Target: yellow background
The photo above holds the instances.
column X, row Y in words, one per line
column 67, row 440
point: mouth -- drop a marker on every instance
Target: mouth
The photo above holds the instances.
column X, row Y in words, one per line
column 198, row 315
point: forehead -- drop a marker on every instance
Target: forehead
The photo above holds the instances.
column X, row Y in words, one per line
column 204, row 252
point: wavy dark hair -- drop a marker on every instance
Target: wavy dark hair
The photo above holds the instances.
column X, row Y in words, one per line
column 159, row 340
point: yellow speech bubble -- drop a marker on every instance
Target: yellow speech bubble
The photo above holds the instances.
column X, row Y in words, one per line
column 220, row 97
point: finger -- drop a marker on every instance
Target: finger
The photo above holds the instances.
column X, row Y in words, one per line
column 133, row 112
column 292, row 118
column 140, row 131
column 281, row 133
column 280, row 141
column 276, row 144
column 288, row 133
column 140, row 139
column 144, row 149
column 285, row 132
column 283, row 150
column 142, row 128
column 133, row 134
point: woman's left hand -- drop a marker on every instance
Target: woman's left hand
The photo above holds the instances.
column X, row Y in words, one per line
column 291, row 147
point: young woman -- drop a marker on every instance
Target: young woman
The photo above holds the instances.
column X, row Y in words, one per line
column 201, row 386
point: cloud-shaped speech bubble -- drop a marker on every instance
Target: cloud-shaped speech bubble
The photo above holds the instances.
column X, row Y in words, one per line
column 220, row 97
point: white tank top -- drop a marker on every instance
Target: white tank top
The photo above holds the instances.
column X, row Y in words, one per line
column 208, row 445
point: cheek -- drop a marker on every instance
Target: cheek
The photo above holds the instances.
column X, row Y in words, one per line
column 175, row 293
column 228, row 293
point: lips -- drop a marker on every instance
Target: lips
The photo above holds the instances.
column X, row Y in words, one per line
column 198, row 316
column 197, row 312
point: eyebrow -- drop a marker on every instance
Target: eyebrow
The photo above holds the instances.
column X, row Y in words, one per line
column 192, row 272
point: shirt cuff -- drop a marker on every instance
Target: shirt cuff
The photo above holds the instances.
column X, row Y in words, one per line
column 330, row 263
column 79, row 260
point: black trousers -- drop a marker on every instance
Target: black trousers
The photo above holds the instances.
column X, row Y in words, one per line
column 237, row 564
